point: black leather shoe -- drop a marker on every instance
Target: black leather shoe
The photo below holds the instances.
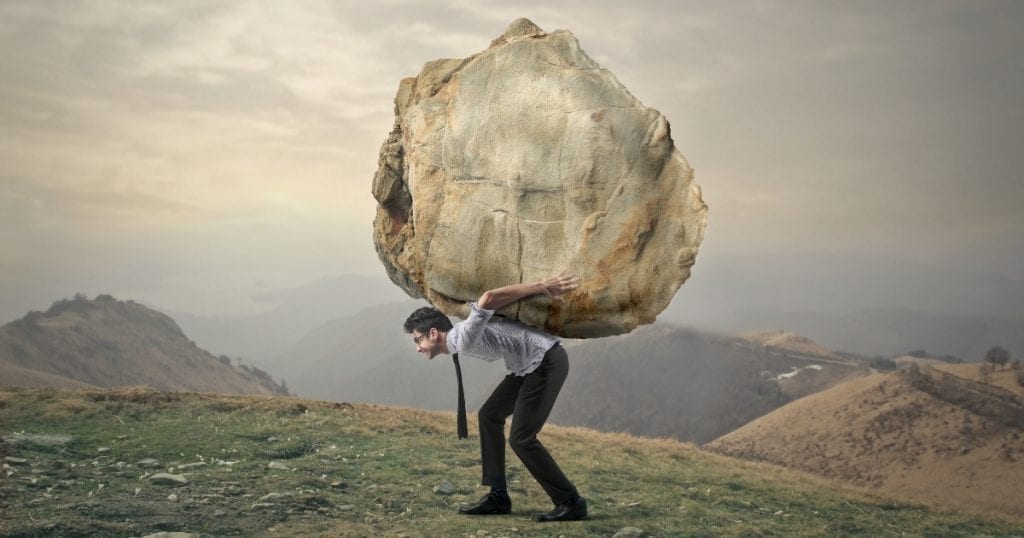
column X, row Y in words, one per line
column 489, row 505
column 572, row 510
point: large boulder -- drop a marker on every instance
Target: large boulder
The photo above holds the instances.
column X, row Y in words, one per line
column 525, row 160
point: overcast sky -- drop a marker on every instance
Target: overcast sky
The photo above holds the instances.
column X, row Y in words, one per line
column 191, row 154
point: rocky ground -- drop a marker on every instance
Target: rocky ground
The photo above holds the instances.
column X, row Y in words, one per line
column 69, row 492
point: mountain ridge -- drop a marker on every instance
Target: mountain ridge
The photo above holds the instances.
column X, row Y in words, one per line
column 108, row 343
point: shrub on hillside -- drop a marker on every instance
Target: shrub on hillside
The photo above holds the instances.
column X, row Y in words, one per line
column 883, row 364
column 986, row 370
column 32, row 316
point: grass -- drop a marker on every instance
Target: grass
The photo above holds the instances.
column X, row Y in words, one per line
column 362, row 470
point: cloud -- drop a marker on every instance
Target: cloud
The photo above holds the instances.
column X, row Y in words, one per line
column 24, row 203
column 133, row 129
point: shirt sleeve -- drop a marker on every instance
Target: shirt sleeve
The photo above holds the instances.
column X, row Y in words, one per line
column 473, row 327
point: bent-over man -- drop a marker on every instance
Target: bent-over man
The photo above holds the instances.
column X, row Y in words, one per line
column 537, row 365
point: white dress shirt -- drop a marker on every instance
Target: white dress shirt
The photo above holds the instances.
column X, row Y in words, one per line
column 521, row 346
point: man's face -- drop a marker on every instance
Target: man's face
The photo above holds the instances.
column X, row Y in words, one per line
column 428, row 343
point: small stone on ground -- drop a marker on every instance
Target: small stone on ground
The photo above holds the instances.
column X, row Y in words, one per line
column 168, row 479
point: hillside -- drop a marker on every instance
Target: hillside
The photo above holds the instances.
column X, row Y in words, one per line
column 922, row 433
column 259, row 465
column 16, row 376
column 110, row 343
column 667, row 381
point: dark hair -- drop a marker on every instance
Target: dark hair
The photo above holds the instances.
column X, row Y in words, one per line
column 426, row 318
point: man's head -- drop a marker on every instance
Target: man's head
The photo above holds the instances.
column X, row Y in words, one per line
column 429, row 329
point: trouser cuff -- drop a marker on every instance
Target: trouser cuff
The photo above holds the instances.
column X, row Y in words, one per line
column 495, row 482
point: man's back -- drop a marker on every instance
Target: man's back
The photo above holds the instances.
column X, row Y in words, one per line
column 490, row 337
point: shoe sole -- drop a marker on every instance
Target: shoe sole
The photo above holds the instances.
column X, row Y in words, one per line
column 541, row 519
column 488, row 513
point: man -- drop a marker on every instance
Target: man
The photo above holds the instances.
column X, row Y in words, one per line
column 538, row 366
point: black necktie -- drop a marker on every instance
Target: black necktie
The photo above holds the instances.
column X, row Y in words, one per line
column 461, row 420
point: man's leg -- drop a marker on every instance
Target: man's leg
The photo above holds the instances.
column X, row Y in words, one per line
column 536, row 399
column 492, row 417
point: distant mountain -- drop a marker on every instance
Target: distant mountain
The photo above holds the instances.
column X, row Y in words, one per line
column 668, row 381
column 894, row 331
column 660, row 380
column 110, row 343
column 296, row 312
column 935, row 434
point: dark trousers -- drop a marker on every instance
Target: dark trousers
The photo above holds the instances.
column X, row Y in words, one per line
column 528, row 399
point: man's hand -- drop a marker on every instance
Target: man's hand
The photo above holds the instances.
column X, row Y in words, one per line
column 564, row 282
column 553, row 287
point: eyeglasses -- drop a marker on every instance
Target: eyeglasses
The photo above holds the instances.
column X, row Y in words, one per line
column 416, row 340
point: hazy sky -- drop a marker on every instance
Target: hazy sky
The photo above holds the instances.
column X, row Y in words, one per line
column 192, row 153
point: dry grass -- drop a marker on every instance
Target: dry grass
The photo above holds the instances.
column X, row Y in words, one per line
column 1004, row 378
column 882, row 433
column 67, row 408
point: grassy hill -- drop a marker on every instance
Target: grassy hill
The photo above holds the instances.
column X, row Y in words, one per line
column 110, row 343
column 935, row 434
column 83, row 463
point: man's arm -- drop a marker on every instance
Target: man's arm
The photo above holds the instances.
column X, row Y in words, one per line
column 553, row 287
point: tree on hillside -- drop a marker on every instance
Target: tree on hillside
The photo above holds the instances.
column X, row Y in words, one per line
column 997, row 356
